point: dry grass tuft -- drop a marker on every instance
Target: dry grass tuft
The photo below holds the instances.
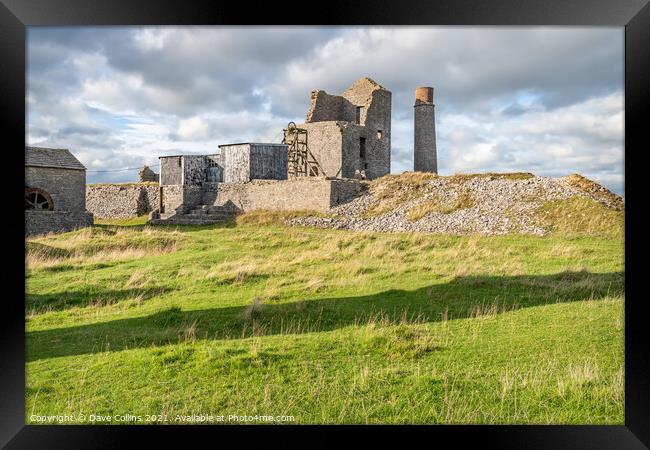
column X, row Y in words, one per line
column 390, row 191
column 578, row 215
column 462, row 177
column 402, row 340
column 583, row 373
column 98, row 244
column 253, row 311
column 271, row 217
column 189, row 333
column 139, row 278
column 238, row 272
column 441, row 205
column 598, row 192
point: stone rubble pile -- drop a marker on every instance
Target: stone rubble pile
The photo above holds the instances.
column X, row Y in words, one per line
column 499, row 206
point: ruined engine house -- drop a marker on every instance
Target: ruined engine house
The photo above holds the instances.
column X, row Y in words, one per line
column 349, row 134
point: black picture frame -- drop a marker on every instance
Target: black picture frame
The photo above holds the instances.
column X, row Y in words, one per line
column 634, row 15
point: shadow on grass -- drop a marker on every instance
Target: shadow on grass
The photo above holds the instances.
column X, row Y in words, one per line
column 462, row 297
column 89, row 296
column 109, row 227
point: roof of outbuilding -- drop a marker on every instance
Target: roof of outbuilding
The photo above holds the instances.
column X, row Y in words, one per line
column 51, row 157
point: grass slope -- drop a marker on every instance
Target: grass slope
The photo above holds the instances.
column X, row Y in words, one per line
column 327, row 326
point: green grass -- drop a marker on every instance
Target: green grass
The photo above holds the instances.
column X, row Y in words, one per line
column 579, row 215
column 139, row 220
column 328, row 326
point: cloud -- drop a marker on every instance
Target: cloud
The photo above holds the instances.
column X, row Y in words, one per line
column 542, row 99
column 193, row 129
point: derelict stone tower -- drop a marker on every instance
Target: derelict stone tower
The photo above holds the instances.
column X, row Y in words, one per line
column 425, row 158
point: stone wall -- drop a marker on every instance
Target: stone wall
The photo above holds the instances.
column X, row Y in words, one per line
column 324, row 140
column 326, row 107
column 343, row 191
column 43, row 222
column 65, row 186
column 313, row 193
column 378, row 134
column 335, row 133
column 121, row 201
column 172, row 199
column 180, row 199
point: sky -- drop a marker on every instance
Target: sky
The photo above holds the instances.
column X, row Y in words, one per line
column 547, row 100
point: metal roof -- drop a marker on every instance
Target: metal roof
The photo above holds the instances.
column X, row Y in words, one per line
column 188, row 154
column 51, row 157
column 252, row 143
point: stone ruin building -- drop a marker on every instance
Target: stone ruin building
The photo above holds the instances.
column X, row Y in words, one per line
column 344, row 138
column 55, row 191
column 200, row 189
column 349, row 134
column 319, row 164
column 147, row 175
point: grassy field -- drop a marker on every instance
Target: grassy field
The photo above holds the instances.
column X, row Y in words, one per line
column 326, row 326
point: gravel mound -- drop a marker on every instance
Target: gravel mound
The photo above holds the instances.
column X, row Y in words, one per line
column 497, row 205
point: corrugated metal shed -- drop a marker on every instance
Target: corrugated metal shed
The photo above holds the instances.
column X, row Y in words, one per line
column 51, row 157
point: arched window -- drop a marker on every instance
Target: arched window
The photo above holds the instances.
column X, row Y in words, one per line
column 36, row 198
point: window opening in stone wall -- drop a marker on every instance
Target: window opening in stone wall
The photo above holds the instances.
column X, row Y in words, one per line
column 38, row 199
column 213, row 171
column 357, row 117
column 379, row 134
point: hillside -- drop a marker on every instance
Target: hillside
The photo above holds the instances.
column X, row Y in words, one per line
column 489, row 204
column 328, row 326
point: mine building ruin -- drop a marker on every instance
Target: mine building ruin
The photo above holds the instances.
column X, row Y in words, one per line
column 55, row 191
column 201, row 189
column 318, row 165
column 349, row 134
column 235, row 163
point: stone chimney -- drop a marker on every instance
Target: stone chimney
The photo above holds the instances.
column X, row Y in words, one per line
column 425, row 154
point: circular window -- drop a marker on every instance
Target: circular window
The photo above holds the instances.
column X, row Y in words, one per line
column 38, row 199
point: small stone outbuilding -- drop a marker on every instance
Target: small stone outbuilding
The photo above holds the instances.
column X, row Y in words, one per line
column 146, row 174
column 55, row 191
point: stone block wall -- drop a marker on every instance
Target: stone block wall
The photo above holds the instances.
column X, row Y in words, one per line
column 65, row 186
column 326, row 107
column 378, row 134
column 312, row 193
column 324, row 140
column 121, row 201
column 335, row 132
column 43, row 222
column 342, row 191
column 172, row 199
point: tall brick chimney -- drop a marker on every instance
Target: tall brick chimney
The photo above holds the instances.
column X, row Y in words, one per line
column 425, row 154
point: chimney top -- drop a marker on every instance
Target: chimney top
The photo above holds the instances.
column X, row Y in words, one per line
column 423, row 94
